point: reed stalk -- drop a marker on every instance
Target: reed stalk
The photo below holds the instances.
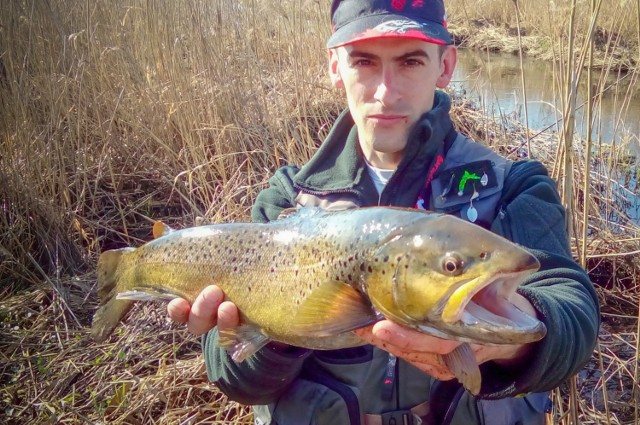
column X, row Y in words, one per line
column 522, row 77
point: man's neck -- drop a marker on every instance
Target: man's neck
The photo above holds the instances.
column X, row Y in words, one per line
column 384, row 160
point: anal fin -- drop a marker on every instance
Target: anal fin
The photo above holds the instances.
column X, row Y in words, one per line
column 146, row 295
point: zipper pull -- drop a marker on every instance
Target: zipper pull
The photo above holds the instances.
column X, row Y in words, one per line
column 389, row 378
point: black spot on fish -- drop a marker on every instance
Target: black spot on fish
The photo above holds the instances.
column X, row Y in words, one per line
column 349, row 277
column 361, row 267
column 369, row 269
column 383, row 272
column 386, row 258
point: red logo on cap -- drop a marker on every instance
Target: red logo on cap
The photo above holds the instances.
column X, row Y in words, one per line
column 417, row 3
column 398, row 4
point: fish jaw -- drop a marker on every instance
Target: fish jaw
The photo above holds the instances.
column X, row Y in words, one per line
column 485, row 313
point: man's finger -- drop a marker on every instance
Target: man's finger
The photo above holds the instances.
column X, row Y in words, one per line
column 228, row 316
column 178, row 310
column 204, row 310
column 410, row 340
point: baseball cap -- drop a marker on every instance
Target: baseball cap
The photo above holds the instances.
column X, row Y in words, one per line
column 356, row 20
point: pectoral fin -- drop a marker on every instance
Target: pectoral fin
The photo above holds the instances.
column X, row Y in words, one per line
column 462, row 362
column 331, row 309
column 242, row 342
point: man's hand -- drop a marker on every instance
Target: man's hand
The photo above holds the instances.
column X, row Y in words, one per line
column 425, row 351
column 208, row 310
column 421, row 350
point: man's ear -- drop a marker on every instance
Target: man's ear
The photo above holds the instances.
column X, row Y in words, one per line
column 448, row 65
column 334, row 69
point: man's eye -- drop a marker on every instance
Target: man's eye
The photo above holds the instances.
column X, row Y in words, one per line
column 362, row 62
column 412, row 62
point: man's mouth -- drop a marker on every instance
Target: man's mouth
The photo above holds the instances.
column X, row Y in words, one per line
column 388, row 119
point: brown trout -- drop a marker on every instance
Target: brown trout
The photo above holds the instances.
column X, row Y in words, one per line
column 312, row 277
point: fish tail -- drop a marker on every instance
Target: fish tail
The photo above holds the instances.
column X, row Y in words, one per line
column 111, row 310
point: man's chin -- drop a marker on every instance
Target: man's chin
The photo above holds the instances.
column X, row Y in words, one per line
column 389, row 143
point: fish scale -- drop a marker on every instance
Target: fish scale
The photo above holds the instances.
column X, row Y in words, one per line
column 312, row 277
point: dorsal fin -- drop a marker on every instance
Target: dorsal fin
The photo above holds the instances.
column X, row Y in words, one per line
column 160, row 229
column 287, row 212
column 301, row 212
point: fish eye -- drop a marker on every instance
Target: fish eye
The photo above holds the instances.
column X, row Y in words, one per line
column 452, row 265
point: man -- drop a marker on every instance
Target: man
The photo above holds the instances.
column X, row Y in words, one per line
column 395, row 145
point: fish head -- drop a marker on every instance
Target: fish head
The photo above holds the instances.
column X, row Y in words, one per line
column 454, row 279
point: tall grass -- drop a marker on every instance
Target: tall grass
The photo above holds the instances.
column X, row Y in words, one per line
column 117, row 114
column 484, row 24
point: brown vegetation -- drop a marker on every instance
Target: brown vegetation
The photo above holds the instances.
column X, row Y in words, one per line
column 493, row 25
column 114, row 116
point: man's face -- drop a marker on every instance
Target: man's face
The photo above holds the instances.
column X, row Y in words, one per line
column 389, row 84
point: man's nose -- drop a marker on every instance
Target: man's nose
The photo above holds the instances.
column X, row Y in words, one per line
column 387, row 90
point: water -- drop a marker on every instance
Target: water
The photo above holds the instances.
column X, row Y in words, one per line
column 493, row 80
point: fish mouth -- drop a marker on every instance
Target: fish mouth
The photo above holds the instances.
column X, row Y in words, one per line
column 482, row 312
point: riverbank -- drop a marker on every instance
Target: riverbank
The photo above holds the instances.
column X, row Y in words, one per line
column 610, row 52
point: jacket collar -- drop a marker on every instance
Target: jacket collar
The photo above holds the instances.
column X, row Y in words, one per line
column 339, row 164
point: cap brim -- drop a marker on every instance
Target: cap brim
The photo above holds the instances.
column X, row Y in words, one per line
column 389, row 26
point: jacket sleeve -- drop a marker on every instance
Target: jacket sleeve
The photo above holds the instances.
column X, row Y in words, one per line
column 263, row 377
column 532, row 215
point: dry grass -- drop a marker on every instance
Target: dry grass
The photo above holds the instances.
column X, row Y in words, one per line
column 52, row 372
column 492, row 25
column 114, row 116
